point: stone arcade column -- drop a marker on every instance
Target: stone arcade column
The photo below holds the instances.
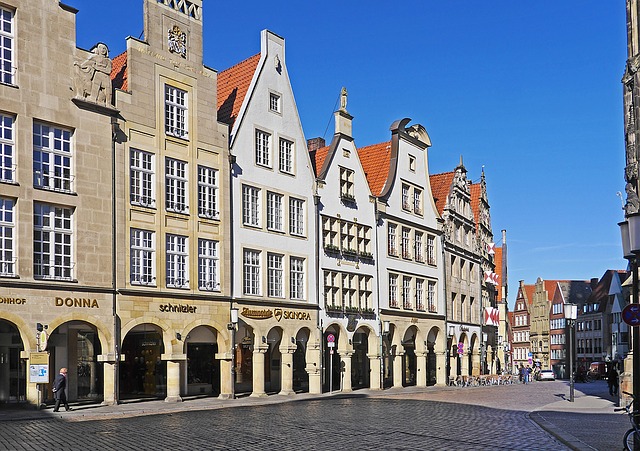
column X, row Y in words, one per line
column 258, row 371
column 225, row 359
column 32, row 389
column 345, row 357
column 109, row 375
column 476, row 362
column 313, row 359
column 375, row 368
column 421, row 369
column 173, row 376
column 397, row 370
column 286, row 374
column 441, row 368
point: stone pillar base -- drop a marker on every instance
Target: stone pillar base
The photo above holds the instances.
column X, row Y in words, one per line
column 173, row 399
column 258, row 395
column 224, row 396
column 287, row 392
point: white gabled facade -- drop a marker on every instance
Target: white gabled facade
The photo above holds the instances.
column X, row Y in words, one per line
column 347, row 261
column 409, row 257
column 274, row 269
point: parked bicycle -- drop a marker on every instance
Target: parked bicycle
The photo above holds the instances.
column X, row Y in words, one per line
column 633, row 434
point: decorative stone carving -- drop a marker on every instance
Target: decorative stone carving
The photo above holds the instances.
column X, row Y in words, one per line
column 177, row 41
column 343, row 99
column 277, row 64
column 92, row 81
column 633, row 203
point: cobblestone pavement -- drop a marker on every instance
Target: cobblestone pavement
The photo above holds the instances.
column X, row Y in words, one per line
column 475, row 418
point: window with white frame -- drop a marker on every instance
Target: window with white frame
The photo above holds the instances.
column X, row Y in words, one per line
column 52, row 242
column 275, row 277
column 347, row 184
column 175, row 112
column 405, row 244
column 176, row 186
column 417, row 246
column 177, row 261
column 417, row 201
column 406, row 204
column 250, row 206
column 431, row 249
column 286, row 156
column 420, row 294
column 431, row 297
column 296, row 278
column 412, row 163
column 142, row 167
column 207, row 192
column 332, row 289
column 393, row 290
column 365, row 294
column 208, row 264
column 348, row 240
column 142, row 251
column 7, row 146
column 263, row 148
column 52, row 158
column 296, row 216
column 275, row 211
column 7, row 39
column 364, row 241
column 330, row 233
column 251, row 272
column 274, row 102
column 349, row 290
column 406, row 293
column 392, row 240
column 7, row 233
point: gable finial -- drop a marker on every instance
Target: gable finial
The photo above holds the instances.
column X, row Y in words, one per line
column 343, row 99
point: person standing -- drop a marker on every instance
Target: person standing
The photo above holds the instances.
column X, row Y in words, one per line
column 59, row 387
column 612, row 380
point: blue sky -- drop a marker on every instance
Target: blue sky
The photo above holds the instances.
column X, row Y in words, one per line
column 529, row 90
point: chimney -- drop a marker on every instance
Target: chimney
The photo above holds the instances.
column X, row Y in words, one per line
column 594, row 283
column 314, row 144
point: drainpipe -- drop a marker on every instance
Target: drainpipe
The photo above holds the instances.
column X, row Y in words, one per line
column 316, row 202
column 376, row 214
column 114, row 279
column 232, row 162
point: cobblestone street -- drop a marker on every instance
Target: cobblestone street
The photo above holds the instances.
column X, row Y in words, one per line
column 435, row 418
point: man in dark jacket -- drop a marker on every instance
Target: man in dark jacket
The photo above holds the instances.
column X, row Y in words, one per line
column 59, row 386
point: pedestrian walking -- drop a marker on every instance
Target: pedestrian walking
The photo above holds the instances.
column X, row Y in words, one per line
column 59, row 387
column 612, row 380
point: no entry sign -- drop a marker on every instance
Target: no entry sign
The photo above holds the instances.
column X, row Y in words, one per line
column 631, row 314
column 331, row 340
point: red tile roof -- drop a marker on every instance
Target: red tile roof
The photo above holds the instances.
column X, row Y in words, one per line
column 476, row 192
column 529, row 290
column 233, row 85
column 317, row 158
column 119, row 72
column 497, row 259
column 375, row 160
column 440, row 188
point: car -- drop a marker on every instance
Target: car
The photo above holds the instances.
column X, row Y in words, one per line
column 546, row 375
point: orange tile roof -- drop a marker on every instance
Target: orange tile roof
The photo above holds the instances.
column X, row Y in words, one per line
column 550, row 287
column 317, row 158
column 375, row 160
column 233, row 84
column 497, row 259
column 440, row 188
column 476, row 192
column 529, row 290
column 119, row 72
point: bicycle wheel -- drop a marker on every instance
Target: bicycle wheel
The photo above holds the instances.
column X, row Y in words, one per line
column 628, row 439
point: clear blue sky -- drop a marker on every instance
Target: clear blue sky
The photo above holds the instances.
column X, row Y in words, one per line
column 530, row 90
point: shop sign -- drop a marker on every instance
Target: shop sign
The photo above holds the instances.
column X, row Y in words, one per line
column 278, row 314
column 77, row 302
column 18, row 301
column 177, row 308
column 256, row 314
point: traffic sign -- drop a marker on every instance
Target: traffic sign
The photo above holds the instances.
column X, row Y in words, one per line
column 631, row 314
column 460, row 348
column 331, row 338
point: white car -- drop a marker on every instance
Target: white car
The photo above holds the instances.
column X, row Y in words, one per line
column 546, row 375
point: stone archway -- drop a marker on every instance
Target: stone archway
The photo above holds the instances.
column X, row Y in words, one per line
column 13, row 369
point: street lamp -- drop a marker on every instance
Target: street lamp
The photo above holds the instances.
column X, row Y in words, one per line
column 570, row 315
column 483, row 347
column 232, row 327
column 630, row 232
column 452, row 332
column 385, row 332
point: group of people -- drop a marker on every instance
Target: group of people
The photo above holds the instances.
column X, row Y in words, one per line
column 526, row 375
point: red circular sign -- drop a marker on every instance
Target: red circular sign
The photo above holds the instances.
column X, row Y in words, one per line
column 331, row 338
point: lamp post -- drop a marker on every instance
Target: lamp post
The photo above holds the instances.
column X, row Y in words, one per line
column 630, row 231
column 483, row 356
column 385, row 332
column 232, row 327
column 452, row 332
column 570, row 315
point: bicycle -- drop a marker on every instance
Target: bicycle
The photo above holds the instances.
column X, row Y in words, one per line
column 633, row 434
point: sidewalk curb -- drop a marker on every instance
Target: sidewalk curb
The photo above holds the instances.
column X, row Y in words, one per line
column 562, row 436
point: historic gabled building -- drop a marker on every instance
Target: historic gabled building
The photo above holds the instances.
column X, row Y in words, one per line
column 347, row 261
column 463, row 273
column 409, row 255
column 172, row 221
column 539, row 316
column 520, row 327
column 274, row 275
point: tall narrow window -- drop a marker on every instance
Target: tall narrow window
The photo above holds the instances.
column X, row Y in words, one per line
column 250, row 206
column 251, row 268
column 286, row 156
column 275, row 277
column 7, row 146
column 346, row 184
column 393, row 290
column 275, row 211
column 142, row 252
column 296, row 278
column 419, row 294
column 177, row 258
column 417, row 201
column 406, row 293
column 142, row 181
column 406, row 204
column 431, row 250
column 296, row 216
column 7, row 63
column 7, row 233
column 175, row 109
column 207, row 192
column 176, row 186
column 274, row 102
column 208, row 263
column 51, row 158
column 52, row 241
column 405, row 244
column 392, row 240
column 417, row 247
column 263, row 148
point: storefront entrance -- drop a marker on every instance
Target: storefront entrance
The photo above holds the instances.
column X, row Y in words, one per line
column 203, row 370
column 13, row 373
column 360, row 361
column 143, row 372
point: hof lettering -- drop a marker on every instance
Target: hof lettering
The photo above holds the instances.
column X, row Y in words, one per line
column 77, row 302
column 12, row 301
column 177, row 308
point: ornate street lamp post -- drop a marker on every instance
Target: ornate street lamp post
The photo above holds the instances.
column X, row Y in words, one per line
column 570, row 315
